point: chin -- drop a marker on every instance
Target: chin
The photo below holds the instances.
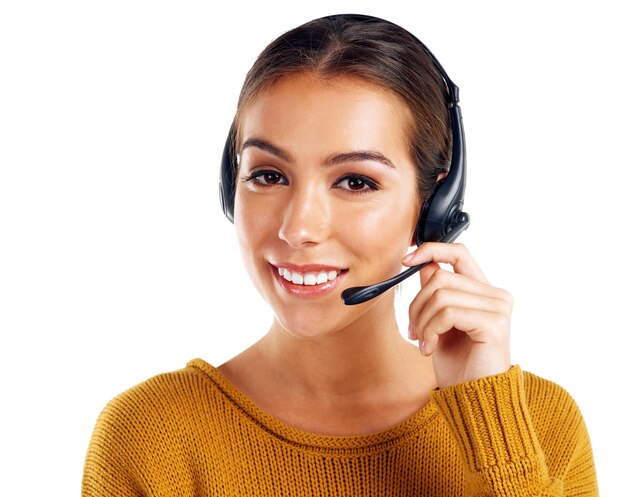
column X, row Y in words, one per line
column 306, row 324
column 304, row 327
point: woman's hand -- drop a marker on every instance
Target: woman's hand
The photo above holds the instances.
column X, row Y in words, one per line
column 458, row 317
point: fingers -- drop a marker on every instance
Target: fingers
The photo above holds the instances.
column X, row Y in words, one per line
column 427, row 272
column 432, row 292
column 483, row 318
column 455, row 254
column 462, row 300
column 478, row 325
column 448, row 299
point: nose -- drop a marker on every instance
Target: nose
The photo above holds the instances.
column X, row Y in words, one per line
column 306, row 218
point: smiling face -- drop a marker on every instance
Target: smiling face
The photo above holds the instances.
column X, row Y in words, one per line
column 326, row 198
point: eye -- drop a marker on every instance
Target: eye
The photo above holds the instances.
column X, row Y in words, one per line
column 265, row 178
column 357, row 183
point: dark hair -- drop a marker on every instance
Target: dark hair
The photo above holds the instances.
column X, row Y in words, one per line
column 374, row 50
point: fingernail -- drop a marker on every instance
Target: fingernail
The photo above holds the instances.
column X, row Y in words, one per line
column 423, row 347
column 411, row 331
column 414, row 256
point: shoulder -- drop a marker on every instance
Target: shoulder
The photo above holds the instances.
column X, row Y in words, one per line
column 161, row 402
column 548, row 400
column 154, row 429
column 557, row 419
column 158, row 417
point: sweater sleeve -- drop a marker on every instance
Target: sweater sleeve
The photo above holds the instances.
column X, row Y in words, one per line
column 492, row 424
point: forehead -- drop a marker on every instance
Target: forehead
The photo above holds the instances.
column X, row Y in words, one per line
column 340, row 111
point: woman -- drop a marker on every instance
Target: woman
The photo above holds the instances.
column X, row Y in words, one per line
column 341, row 133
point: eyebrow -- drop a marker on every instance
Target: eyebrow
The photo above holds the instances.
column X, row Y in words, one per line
column 359, row 156
column 266, row 147
column 331, row 160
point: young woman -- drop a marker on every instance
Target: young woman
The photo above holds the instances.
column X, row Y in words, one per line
column 341, row 134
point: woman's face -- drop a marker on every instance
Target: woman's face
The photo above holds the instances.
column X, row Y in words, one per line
column 326, row 197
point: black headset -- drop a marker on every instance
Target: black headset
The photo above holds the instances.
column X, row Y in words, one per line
column 441, row 218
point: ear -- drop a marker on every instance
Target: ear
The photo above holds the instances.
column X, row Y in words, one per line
column 441, row 176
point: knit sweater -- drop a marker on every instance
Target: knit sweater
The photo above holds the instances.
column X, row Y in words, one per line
column 193, row 433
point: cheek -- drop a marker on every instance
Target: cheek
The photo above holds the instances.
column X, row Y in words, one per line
column 253, row 233
column 250, row 229
column 381, row 232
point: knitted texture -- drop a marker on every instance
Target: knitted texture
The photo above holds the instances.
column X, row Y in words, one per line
column 192, row 433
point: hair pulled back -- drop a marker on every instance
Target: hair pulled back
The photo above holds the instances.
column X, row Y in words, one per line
column 374, row 50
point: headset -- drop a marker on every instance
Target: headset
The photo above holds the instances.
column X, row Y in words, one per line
column 441, row 218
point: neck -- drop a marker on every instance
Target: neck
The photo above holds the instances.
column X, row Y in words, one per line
column 360, row 379
column 358, row 361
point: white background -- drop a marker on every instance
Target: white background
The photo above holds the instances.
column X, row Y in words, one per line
column 116, row 263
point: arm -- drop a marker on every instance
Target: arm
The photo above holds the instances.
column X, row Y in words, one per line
column 492, row 423
column 464, row 324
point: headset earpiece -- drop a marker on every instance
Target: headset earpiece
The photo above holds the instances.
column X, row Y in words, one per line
column 227, row 177
column 442, row 211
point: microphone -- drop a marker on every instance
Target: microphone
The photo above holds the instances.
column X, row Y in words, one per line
column 360, row 294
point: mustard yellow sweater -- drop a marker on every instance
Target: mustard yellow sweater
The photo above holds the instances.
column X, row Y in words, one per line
column 192, row 433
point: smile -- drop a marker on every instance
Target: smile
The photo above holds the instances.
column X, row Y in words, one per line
column 308, row 279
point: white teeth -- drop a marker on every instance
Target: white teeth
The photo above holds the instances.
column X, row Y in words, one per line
column 321, row 278
column 308, row 279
